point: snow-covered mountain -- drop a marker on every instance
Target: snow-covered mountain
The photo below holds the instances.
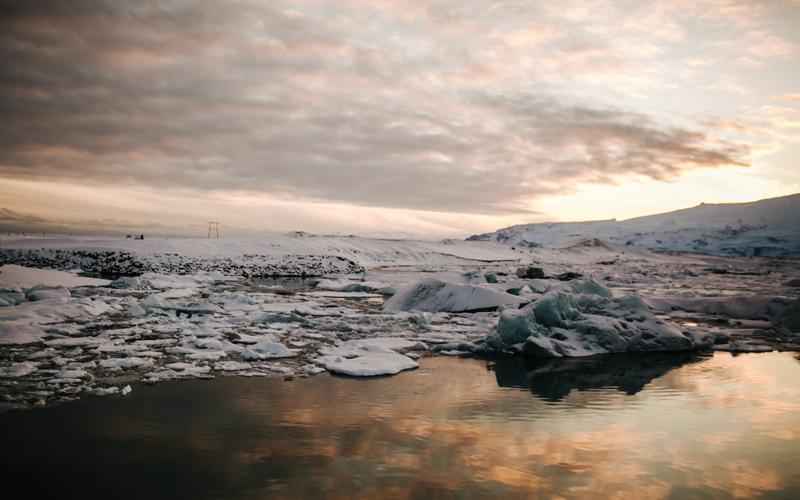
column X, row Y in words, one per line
column 768, row 227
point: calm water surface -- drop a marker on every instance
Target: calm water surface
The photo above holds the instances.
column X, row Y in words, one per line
column 615, row 427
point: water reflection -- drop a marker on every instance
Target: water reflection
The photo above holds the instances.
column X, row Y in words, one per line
column 554, row 379
column 688, row 428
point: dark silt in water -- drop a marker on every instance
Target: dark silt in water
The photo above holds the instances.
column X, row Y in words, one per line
column 610, row 427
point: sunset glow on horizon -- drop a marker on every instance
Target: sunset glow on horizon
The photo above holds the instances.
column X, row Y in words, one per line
column 391, row 117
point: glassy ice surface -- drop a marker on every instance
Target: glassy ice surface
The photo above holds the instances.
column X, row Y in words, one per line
column 606, row 427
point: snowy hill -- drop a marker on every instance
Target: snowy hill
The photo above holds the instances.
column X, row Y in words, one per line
column 766, row 227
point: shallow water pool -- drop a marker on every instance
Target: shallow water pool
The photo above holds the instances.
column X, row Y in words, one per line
column 606, row 427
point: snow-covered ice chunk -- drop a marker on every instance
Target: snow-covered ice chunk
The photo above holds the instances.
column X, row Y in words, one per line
column 434, row 295
column 117, row 364
column 268, row 349
column 396, row 344
column 189, row 369
column 561, row 324
column 231, row 366
column 105, row 391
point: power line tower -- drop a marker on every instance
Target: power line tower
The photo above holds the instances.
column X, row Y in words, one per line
column 213, row 228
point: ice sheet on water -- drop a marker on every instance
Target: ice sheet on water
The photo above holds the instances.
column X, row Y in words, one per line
column 369, row 357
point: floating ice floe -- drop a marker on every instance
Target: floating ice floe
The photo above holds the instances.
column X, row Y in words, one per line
column 117, row 364
column 369, row 357
column 434, row 295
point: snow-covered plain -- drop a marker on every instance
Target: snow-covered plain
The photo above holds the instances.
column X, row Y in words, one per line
column 203, row 308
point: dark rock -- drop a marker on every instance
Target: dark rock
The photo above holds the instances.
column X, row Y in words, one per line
column 721, row 338
column 790, row 319
column 530, row 272
column 568, row 276
column 113, row 264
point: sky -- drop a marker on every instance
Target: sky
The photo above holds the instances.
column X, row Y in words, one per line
column 390, row 117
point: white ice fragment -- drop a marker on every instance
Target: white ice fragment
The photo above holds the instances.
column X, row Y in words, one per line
column 116, row 364
column 369, row 364
column 73, row 374
column 180, row 366
column 267, row 349
column 231, row 366
column 76, row 342
column 105, row 391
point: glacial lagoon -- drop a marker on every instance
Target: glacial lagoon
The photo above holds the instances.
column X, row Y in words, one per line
column 660, row 426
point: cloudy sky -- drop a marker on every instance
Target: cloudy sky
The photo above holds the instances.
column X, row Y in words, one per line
column 439, row 117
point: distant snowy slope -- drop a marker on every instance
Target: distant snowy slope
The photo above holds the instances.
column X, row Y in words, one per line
column 770, row 212
column 367, row 252
column 765, row 227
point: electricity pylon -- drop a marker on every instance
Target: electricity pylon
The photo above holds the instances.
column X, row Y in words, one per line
column 213, row 228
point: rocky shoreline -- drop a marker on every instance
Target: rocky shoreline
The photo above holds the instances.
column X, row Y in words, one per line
column 116, row 263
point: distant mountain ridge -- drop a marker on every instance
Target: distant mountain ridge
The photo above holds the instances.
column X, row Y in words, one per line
column 769, row 227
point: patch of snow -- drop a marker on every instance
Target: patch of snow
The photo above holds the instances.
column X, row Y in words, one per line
column 14, row 276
